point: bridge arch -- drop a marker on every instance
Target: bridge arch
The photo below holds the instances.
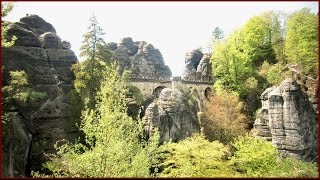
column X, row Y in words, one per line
column 156, row 92
column 207, row 92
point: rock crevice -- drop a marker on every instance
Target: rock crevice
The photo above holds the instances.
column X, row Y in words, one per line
column 40, row 52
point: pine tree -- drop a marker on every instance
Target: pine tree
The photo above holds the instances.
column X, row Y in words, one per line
column 90, row 72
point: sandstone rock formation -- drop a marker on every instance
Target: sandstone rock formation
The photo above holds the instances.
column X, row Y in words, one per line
column 198, row 67
column 36, row 127
column 141, row 58
column 289, row 121
column 172, row 115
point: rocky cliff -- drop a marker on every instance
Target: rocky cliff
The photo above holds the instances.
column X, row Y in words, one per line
column 36, row 127
column 141, row 58
column 198, row 67
column 173, row 114
column 288, row 120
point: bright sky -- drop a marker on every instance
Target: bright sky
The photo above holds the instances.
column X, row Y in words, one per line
column 173, row 27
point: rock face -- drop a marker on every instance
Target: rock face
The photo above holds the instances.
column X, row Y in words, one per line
column 141, row 58
column 289, row 121
column 198, row 67
column 36, row 127
column 172, row 115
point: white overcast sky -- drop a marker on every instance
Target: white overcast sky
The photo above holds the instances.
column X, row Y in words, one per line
column 173, row 27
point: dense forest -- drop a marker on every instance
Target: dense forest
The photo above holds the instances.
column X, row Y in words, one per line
column 266, row 50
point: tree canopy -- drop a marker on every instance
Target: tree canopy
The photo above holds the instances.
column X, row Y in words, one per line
column 302, row 40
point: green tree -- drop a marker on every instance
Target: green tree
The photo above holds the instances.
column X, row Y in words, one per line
column 264, row 38
column 194, row 157
column 6, row 8
column 302, row 44
column 235, row 61
column 114, row 147
column 231, row 65
column 216, row 35
column 255, row 157
column 90, row 72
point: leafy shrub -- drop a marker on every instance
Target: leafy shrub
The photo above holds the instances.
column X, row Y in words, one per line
column 136, row 94
column 223, row 119
column 274, row 73
column 194, row 157
column 19, row 89
column 290, row 167
column 255, row 157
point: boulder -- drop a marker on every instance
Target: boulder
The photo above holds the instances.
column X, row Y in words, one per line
column 172, row 115
column 289, row 118
column 50, row 40
column 66, row 45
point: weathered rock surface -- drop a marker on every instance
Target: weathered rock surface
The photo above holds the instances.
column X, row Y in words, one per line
column 141, row 58
column 38, row 125
column 198, row 67
column 50, row 40
column 172, row 115
column 287, row 119
column 204, row 69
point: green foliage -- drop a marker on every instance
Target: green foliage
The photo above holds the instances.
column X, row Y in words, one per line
column 6, row 8
column 93, row 46
column 231, row 65
column 136, row 94
column 302, row 40
column 274, row 73
column 290, row 167
column 261, row 35
column 18, row 90
column 114, row 147
column 89, row 75
column 194, row 157
column 91, row 71
column 255, row 157
column 235, row 60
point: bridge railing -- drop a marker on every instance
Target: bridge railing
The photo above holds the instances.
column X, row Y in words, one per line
column 169, row 80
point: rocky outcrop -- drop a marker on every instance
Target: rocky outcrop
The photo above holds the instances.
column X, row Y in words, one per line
column 38, row 125
column 289, row 121
column 198, row 67
column 204, row 69
column 141, row 58
column 174, row 117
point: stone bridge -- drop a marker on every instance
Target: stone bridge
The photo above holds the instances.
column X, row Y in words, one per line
column 151, row 86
